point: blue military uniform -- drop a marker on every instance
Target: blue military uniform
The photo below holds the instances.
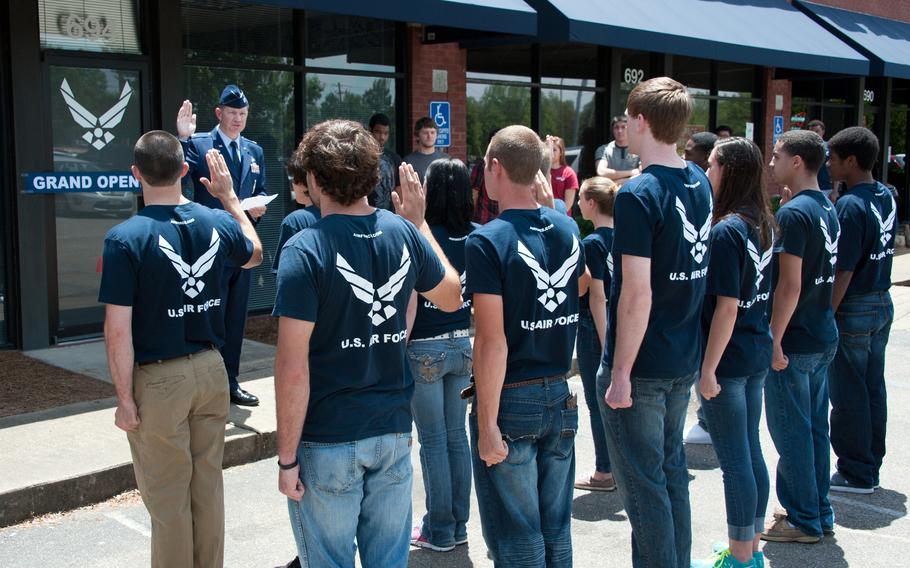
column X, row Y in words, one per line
column 248, row 173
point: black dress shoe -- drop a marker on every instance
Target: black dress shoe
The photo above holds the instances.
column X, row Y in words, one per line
column 242, row 398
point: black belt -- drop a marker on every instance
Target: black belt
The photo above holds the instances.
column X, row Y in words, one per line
column 470, row 391
column 211, row 347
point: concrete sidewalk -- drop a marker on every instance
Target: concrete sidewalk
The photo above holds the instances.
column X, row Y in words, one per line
column 70, row 456
column 67, row 457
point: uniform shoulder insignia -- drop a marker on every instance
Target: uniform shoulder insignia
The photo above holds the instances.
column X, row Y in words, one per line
column 252, row 142
column 202, row 135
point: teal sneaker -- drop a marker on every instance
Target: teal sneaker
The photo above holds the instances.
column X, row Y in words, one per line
column 759, row 559
column 722, row 559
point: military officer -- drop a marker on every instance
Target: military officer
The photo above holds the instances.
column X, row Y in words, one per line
column 245, row 162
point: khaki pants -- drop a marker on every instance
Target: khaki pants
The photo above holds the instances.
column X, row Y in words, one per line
column 177, row 452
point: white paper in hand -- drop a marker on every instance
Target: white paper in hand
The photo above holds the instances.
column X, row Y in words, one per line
column 257, row 201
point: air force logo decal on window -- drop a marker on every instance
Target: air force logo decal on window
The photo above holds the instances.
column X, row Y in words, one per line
column 98, row 133
column 699, row 238
column 379, row 299
column 191, row 275
column 551, row 284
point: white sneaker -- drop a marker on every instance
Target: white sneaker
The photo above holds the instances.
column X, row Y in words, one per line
column 697, row 435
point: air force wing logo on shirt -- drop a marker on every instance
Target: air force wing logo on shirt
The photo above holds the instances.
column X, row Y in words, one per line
column 551, row 284
column 759, row 260
column 610, row 263
column 379, row 299
column 699, row 238
column 886, row 225
column 191, row 275
column 830, row 242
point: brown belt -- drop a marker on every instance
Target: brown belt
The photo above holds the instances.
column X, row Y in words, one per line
column 469, row 391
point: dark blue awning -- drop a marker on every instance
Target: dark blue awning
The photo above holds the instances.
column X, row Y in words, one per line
column 885, row 42
column 504, row 16
column 771, row 33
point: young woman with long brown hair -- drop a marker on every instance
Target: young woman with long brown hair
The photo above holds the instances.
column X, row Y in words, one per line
column 737, row 356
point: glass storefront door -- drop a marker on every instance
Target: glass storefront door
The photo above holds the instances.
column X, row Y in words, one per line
column 96, row 118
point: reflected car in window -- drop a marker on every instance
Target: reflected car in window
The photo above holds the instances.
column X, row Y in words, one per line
column 92, row 203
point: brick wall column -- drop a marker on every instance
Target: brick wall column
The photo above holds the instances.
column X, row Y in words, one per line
column 423, row 60
column 771, row 88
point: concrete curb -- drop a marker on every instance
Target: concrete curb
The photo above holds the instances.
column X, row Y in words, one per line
column 25, row 503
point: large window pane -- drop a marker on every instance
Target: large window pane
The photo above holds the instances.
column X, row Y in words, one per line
column 271, row 125
column 697, row 123
column 566, row 113
column 569, row 64
column 693, row 73
column 511, row 63
column 84, row 218
column 353, row 98
column 349, row 42
column 491, row 107
column 634, row 67
column 735, row 80
column 231, row 31
column 109, row 26
column 735, row 113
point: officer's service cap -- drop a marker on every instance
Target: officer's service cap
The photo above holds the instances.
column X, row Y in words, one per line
column 232, row 96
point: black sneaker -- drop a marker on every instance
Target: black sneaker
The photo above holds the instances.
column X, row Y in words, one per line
column 843, row 485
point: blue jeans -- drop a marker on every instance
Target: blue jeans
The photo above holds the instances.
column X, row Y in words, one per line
column 856, row 378
column 649, row 465
column 734, row 417
column 525, row 502
column 442, row 369
column 354, row 490
column 589, row 352
column 796, row 400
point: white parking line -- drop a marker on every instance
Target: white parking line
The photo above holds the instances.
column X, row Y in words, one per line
column 129, row 523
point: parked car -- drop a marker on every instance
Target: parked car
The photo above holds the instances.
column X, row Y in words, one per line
column 92, row 203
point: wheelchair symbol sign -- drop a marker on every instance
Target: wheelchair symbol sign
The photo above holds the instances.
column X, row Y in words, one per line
column 440, row 112
column 778, row 127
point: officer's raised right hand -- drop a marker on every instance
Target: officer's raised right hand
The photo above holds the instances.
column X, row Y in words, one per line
column 186, row 120
column 221, row 185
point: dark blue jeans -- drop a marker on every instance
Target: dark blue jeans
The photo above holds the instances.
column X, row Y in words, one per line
column 796, row 400
column 525, row 502
column 589, row 352
column 856, row 379
column 734, row 417
column 649, row 465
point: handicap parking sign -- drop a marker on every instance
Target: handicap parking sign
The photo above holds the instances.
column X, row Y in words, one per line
column 441, row 115
column 778, row 127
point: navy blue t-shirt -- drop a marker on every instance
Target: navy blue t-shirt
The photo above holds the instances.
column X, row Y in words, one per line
column 167, row 263
column 430, row 320
column 810, row 230
column 665, row 215
column 353, row 275
column 867, row 215
column 533, row 260
column 741, row 269
column 598, row 257
column 293, row 224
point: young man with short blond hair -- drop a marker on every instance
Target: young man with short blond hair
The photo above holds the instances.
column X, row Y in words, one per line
column 525, row 270
column 653, row 352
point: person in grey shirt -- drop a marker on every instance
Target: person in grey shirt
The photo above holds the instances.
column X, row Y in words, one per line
column 425, row 131
column 614, row 160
